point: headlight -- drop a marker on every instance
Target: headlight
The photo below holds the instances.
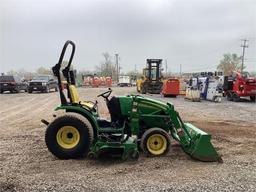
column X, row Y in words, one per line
column 241, row 87
column 44, row 84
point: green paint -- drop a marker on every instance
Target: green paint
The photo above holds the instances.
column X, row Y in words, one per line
column 141, row 111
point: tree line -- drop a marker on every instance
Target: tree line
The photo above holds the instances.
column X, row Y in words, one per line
column 229, row 62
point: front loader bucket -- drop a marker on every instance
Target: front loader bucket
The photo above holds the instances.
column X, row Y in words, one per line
column 200, row 146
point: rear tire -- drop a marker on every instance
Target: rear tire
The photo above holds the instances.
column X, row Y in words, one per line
column 253, row 98
column 229, row 96
column 236, row 97
column 29, row 91
column 69, row 136
column 155, row 142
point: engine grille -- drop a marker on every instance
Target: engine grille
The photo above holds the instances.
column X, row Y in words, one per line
column 35, row 83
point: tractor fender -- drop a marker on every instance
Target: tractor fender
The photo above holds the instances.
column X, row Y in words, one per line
column 87, row 114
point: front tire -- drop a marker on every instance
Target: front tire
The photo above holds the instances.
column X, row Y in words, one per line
column 47, row 89
column 253, row 98
column 143, row 89
column 69, row 136
column 155, row 142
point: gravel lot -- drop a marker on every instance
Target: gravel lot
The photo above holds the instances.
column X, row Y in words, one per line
column 26, row 164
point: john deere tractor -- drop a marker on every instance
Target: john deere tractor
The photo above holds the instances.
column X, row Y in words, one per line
column 136, row 122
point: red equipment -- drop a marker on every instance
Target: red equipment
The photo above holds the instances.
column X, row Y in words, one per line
column 95, row 81
column 239, row 85
column 108, row 81
column 171, row 87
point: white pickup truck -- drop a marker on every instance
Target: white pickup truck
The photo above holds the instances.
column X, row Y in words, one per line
column 124, row 81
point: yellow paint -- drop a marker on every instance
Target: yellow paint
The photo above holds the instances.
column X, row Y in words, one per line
column 68, row 137
column 75, row 97
column 138, row 84
column 156, row 144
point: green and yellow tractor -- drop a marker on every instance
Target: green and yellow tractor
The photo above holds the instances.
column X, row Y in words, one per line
column 136, row 123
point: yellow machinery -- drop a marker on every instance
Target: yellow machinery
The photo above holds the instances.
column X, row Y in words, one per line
column 151, row 81
column 141, row 80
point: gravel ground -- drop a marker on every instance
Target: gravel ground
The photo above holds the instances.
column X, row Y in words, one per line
column 26, row 164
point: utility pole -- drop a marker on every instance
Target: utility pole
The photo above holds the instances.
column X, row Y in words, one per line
column 117, row 68
column 244, row 45
column 180, row 70
column 166, row 67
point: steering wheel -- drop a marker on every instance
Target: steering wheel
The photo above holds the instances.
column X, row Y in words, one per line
column 106, row 94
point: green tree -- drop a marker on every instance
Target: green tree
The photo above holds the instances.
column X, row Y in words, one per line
column 230, row 62
column 106, row 67
column 22, row 73
column 134, row 74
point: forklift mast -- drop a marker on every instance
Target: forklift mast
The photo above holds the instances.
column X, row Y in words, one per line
column 154, row 64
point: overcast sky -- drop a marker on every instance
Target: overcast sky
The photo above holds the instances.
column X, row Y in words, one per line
column 193, row 33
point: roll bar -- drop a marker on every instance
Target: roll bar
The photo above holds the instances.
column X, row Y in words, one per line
column 65, row 71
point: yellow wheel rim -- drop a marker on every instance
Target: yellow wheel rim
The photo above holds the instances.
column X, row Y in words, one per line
column 156, row 144
column 68, row 137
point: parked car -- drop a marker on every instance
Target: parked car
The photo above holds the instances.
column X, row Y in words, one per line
column 43, row 83
column 12, row 83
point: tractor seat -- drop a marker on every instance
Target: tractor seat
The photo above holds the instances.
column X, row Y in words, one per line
column 115, row 111
column 74, row 96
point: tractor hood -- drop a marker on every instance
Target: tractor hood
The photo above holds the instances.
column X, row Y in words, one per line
column 144, row 105
column 151, row 113
column 150, row 105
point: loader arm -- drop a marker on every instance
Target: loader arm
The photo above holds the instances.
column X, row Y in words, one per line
column 193, row 141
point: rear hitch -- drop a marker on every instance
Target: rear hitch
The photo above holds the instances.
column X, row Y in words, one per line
column 45, row 122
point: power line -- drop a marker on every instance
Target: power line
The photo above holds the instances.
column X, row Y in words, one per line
column 244, row 45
